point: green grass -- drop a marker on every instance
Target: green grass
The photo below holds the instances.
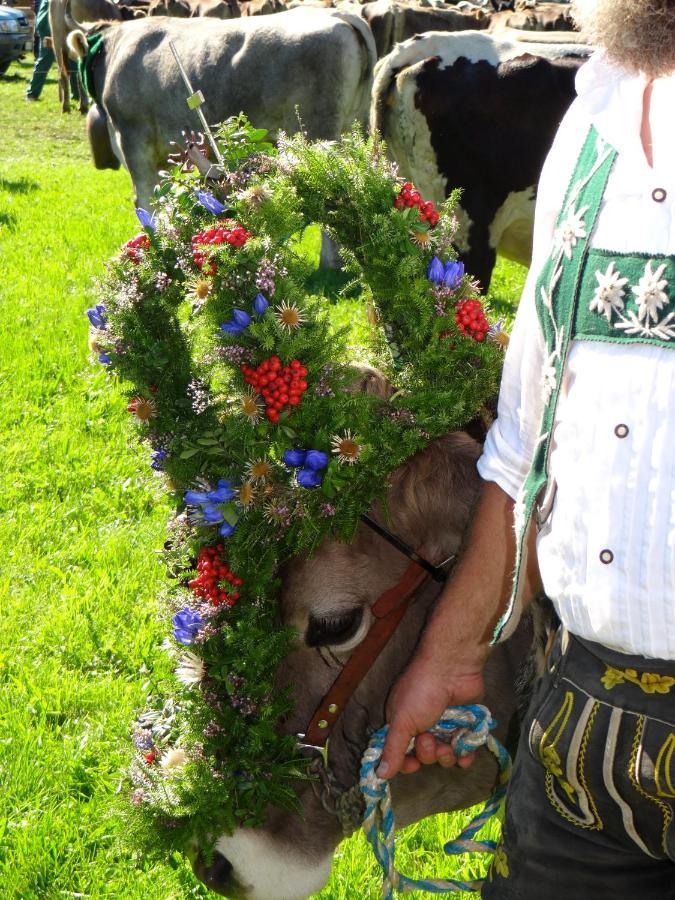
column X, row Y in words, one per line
column 80, row 521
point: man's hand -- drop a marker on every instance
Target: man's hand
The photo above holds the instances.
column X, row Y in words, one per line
column 416, row 703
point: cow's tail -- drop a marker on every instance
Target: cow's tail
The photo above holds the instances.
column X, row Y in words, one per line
column 77, row 43
column 369, row 58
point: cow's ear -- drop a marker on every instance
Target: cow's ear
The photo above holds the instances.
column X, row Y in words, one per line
column 369, row 380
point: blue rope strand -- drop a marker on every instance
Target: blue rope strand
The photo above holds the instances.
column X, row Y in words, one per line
column 466, row 728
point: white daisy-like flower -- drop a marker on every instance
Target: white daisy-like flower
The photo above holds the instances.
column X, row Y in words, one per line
column 190, row 669
column 346, row 447
column 259, row 470
column 650, row 294
column 570, row 231
column 174, row 759
column 289, row 316
column 255, row 195
column 609, row 293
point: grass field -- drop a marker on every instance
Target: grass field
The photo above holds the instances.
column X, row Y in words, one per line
column 80, row 520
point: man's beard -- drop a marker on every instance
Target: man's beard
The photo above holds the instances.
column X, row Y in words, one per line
column 638, row 35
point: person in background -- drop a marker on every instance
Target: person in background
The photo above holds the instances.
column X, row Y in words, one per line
column 46, row 58
column 579, row 495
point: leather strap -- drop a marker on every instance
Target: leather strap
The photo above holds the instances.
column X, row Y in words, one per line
column 388, row 610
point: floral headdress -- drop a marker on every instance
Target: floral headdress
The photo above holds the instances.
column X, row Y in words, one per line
column 242, row 389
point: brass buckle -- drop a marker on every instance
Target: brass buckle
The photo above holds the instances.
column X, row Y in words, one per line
column 322, row 751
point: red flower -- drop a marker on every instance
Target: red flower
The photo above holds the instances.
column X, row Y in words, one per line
column 225, row 232
column 134, row 248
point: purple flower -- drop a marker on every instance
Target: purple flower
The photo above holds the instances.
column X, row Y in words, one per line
column 145, row 218
column 98, row 317
column 104, row 359
column 223, row 492
column 260, row 304
column 453, row 274
column 231, row 327
column 208, row 201
column 195, row 498
column 309, row 478
column 435, row 270
column 226, row 530
column 186, row 624
column 158, row 457
column 295, row 458
column 239, row 322
column 316, row 460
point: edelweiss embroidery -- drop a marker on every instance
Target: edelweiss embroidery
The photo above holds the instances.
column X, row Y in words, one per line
column 570, row 231
column 609, row 293
column 650, row 299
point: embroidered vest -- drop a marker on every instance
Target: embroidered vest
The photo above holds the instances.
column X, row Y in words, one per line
column 585, row 294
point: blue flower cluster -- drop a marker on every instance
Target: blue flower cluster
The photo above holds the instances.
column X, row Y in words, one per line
column 98, row 318
column 158, row 457
column 310, row 465
column 186, row 625
column 447, row 275
column 241, row 319
column 146, row 219
column 208, row 503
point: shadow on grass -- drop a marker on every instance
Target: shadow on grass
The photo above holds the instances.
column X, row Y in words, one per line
column 331, row 284
column 20, row 186
column 7, row 221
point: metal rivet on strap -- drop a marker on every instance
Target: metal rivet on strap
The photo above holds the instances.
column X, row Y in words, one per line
column 606, row 557
column 621, row 431
column 333, row 708
column 659, row 195
column 322, row 723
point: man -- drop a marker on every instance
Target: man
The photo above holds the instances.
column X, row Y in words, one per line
column 579, row 470
column 46, row 57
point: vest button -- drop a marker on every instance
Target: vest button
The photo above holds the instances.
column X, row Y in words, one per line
column 621, row 431
column 659, row 195
column 606, row 557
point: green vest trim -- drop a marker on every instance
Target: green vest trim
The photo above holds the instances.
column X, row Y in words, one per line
column 94, row 47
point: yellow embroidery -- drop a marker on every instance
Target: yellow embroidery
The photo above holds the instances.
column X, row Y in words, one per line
column 632, row 774
column 648, row 682
column 549, row 756
column 501, row 863
column 664, row 767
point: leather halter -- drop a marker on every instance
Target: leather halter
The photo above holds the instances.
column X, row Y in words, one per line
column 388, row 610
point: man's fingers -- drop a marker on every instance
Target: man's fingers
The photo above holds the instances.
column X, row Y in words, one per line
column 425, row 748
column 395, row 748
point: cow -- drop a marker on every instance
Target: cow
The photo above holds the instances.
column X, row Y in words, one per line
column 304, row 65
column 64, row 15
column 476, row 112
column 188, row 9
column 327, row 600
column 392, row 22
column 534, row 17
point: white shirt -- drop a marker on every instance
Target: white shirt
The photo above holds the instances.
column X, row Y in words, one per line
column 612, row 493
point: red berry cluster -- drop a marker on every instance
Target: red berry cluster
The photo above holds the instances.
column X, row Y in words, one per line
column 150, row 757
column 212, row 572
column 280, row 386
column 409, row 197
column 225, row 232
column 134, row 248
column 471, row 319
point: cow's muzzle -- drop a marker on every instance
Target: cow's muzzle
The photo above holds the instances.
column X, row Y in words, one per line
column 218, row 875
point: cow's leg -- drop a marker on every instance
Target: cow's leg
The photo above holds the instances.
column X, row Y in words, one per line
column 140, row 160
column 476, row 249
column 330, row 253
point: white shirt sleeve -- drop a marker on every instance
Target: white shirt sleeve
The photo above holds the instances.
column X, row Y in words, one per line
column 511, row 439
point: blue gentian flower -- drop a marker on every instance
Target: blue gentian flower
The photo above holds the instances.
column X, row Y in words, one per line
column 186, row 625
column 223, row 492
column 146, row 219
column 241, row 318
column 231, row 327
column 104, row 359
column 98, row 317
column 295, row 458
column 260, row 304
column 453, row 274
column 208, row 201
column 212, row 515
column 309, row 478
column 227, row 530
column 435, row 271
column 158, row 457
column 316, row 460
column 196, row 498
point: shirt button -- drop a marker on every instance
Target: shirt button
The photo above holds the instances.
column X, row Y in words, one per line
column 621, row 431
column 606, row 557
column 659, row 195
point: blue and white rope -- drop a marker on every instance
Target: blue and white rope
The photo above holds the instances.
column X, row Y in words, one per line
column 465, row 728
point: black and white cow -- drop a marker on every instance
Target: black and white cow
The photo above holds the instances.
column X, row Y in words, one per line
column 477, row 112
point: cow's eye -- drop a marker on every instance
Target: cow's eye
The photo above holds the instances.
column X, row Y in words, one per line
column 333, row 629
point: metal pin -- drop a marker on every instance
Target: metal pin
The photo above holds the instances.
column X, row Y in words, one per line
column 194, row 101
column 322, row 723
column 333, row 708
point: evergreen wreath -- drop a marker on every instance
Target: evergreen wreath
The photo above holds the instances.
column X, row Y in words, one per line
column 243, row 390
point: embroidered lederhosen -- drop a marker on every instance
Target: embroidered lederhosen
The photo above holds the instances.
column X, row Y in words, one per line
column 585, row 294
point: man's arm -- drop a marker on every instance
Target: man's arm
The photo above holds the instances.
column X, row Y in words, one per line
column 447, row 669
